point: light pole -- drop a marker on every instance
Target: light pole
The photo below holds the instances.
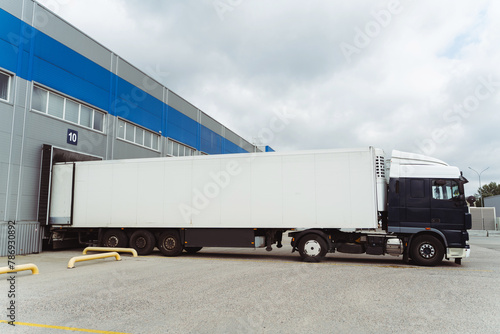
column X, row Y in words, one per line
column 479, row 176
column 481, row 193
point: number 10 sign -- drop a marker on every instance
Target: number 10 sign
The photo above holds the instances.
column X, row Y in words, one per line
column 72, row 137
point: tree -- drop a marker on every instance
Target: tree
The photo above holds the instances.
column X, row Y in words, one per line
column 487, row 190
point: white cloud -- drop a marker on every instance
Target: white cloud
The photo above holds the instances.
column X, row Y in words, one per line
column 264, row 57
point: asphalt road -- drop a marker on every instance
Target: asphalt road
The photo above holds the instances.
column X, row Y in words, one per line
column 487, row 242
column 252, row 291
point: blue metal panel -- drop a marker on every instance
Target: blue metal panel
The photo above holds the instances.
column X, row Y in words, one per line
column 138, row 106
column 63, row 81
column 11, row 25
column 113, row 95
column 23, row 63
column 54, row 52
column 65, row 70
column 8, row 55
column 138, row 97
column 21, row 56
column 211, row 142
column 269, row 149
column 10, row 39
column 182, row 128
column 230, row 147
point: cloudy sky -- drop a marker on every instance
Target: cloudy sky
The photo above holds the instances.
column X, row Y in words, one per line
column 417, row 76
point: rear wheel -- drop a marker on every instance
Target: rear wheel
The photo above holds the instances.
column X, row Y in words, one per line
column 312, row 248
column 169, row 243
column 427, row 250
column 143, row 241
column 114, row 238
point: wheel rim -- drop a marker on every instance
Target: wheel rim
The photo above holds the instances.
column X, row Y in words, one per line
column 312, row 248
column 112, row 241
column 169, row 243
column 140, row 242
column 427, row 251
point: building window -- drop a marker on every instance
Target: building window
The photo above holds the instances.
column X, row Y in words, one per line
column 179, row 150
column 61, row 107
column 137, row 135
column 4, row 86
column 98, row 121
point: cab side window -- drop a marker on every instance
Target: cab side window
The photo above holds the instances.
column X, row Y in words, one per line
column 445, row 189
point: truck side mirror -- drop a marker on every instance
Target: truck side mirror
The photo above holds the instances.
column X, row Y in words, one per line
column 471, row 200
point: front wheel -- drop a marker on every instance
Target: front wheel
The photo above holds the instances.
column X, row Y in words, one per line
column 312, row 248
column 427, row 250
column 169, row 244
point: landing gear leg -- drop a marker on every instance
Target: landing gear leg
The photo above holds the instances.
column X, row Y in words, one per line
column 279, row 238
column 269, row 241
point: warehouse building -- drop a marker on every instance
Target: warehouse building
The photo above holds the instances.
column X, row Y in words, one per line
column 65, row 97
column 494, row 202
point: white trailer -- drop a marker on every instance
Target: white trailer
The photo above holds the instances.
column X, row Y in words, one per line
column 237, row 200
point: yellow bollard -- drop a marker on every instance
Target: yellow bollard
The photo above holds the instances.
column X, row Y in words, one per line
column 21, row 267
column 71, row 263
column 110, row 249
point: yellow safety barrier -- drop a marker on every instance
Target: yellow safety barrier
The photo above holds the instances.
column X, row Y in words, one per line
column 110, row 249
column 71, row 263
column 21, row 267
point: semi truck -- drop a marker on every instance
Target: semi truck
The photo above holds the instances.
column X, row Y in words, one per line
column 341, row 200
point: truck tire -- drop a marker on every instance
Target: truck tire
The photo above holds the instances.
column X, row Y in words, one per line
column 427, row 250
column 169, row 244
column 192, row 250
column 143, row 242
column 312, row 248
column 115, row 238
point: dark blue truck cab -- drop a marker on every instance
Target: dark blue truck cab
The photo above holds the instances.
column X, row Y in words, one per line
column 427, row 208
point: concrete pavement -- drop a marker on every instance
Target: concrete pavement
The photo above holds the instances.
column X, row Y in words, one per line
column 223, row 290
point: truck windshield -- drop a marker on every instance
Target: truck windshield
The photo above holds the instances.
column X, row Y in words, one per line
column 445, row 189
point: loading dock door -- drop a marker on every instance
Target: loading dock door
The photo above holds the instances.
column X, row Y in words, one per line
column 50, row 156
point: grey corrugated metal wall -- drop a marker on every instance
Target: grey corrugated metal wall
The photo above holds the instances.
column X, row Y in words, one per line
column 483, row 218
column 27, row 238
column 494, row 202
